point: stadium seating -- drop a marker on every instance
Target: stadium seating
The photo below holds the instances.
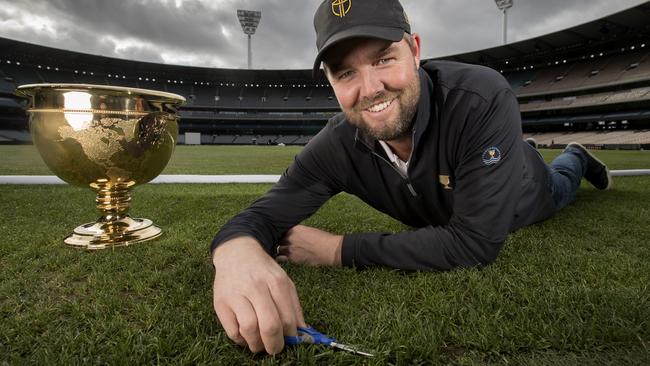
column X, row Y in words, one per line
column 638, row 69
column 204, row 95
column 580, row 79
column 51, row 75
column 288, row 140
column 181, row 89
column 90, row 77
column 588, row 73
column 6, row 85
column 148, row 83
column 244, row 139
column 592, row 138
column 624, row 96
column 518, row 79
column 21, row 74
column 266, row 139
column 15, row 136
column 223, row 139
column 120, row 82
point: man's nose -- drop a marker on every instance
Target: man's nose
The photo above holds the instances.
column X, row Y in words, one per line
column 371, row 84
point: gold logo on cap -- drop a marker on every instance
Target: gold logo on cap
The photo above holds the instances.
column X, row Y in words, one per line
column 341, row 7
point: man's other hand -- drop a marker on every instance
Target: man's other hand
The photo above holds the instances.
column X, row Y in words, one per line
column 255, row 300
column 308, row 245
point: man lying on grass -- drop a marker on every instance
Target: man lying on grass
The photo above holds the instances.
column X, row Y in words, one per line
column 437, row 145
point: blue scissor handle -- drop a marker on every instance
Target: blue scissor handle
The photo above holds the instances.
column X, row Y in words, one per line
column 308, row 335
column 292, row 340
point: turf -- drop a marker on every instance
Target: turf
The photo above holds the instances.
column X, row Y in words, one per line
column 571, row 290
column 24, row 159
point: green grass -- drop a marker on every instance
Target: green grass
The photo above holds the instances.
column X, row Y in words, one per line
column 572, row 290
column 24, row 159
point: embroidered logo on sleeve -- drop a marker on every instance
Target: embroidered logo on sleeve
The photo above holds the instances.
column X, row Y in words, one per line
column 491, row 155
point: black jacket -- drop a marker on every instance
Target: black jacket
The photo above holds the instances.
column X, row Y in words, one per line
column 471, row 178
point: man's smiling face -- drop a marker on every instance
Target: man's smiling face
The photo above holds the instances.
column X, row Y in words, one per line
column 376, row 83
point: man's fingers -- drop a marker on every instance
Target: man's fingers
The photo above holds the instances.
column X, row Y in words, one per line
column 292, row 301
column 270, row 324
column 297, row 309
column 282, row 292
column 248, row 326
column 229, row 323
column 245, row 277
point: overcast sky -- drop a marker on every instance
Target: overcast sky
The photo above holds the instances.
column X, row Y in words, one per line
column 207, row 32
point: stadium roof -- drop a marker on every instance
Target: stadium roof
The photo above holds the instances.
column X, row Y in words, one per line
column 627, row 27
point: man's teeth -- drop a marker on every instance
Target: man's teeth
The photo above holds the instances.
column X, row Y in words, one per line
column 380, row 107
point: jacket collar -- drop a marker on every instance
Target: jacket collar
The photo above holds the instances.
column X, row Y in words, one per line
column 420, row 124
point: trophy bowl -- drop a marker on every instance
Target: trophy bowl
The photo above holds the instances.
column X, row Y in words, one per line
column 109, row 139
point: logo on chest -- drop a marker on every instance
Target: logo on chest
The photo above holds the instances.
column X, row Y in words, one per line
column 445, row 181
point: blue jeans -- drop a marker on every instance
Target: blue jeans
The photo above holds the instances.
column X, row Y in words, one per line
column 565, row 173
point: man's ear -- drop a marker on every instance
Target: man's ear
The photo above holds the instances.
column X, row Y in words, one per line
column 416, row 49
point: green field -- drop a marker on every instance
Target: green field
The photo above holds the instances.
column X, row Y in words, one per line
column 572, row 290
column 24, row 159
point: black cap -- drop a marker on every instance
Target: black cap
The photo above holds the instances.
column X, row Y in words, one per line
column 338, row 20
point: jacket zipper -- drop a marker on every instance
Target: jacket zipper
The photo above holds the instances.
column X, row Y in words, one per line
column 404, row 176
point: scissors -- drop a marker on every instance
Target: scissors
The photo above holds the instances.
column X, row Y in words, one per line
column 310, row 335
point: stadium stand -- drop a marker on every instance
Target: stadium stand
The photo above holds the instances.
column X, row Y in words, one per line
column 288, row 140
column 7, row 85
column 589, row 83
column 587, row 74
column 15, row 136
column 604, row 138
column 20, row 73
column 623, row 96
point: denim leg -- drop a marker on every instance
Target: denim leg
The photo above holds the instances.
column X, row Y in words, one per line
column 565, row 172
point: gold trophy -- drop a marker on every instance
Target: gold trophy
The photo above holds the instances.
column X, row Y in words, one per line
column 110, row 139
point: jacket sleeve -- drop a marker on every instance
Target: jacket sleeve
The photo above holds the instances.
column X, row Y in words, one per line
column 486, row 190
column 302, row 189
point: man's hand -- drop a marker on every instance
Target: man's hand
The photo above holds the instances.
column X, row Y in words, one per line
column 308, row 245
column 256, row 302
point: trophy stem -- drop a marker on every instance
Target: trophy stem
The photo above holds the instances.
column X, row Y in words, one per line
column 112, row 200
column 115, row 227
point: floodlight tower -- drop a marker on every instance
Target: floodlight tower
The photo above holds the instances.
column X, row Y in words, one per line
column 504, row 5
column 249, row 20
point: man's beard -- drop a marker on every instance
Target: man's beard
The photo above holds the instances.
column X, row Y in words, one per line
column 407, row 101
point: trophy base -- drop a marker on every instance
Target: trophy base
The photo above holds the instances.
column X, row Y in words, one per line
column 108, row 234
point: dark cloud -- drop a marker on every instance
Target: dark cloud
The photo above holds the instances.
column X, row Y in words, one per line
column 192, row 27
column 285, row 36
column 207, row 33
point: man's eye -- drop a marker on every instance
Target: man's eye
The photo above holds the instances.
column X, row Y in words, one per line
column 345, row 75
column 383, row 61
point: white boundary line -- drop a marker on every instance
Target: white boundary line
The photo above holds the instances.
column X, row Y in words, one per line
column 629, row 172
column 51, row 179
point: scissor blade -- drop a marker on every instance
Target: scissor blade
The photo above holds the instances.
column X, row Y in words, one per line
column 345, row 347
